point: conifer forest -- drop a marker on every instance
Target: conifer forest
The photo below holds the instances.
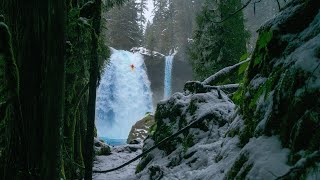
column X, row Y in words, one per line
column 160, row 89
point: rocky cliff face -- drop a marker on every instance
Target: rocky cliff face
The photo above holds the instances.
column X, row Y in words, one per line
column 181, row 73
column 140, row 129
column 272, row 134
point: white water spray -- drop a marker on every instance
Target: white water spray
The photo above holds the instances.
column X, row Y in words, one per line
column 124, row 95
column 168, row 76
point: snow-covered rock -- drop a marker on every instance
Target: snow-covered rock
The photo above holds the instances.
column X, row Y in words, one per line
column 101, row 148
column 120, row 155
column 206, row 151
column 140, row 129
column 274, row 134
column 146, row 52
column 281, row 94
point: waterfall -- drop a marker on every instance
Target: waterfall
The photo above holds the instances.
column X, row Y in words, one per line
column 167, row 76
column 124, row 95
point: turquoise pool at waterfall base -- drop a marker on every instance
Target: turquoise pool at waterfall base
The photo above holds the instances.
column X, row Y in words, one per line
column 114, row 142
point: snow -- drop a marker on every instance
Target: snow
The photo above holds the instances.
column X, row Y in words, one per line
column 265, row 107
column 146, row 52
column 236, row 124
column 314, row 174
column 257, row 81
column 120, row 155
column 214, row 152
column 268, row 157
column 149, row 13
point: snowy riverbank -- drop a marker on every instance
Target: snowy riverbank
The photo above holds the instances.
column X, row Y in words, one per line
column 120, row 155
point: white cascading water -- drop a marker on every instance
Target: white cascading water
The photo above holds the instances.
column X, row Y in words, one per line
column 124, row 95
column 167, row 76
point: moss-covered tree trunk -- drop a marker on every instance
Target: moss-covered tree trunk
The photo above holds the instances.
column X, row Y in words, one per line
column 38, row 42
column 93, row 81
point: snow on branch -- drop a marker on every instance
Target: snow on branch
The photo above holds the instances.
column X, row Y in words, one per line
column 223, row 72
column 226, row 87
column 301, row 166
column 198, row 87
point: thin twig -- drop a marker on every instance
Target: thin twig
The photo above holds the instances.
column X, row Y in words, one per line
column 279, row 7
column 234, row 13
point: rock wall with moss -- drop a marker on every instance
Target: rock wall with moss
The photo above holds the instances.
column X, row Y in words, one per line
column 281, row 91
column 272, row 132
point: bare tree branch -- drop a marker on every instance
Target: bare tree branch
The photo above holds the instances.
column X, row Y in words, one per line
column 234, row 13
column 223, row 72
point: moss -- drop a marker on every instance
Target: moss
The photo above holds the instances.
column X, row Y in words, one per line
column 143, row 163
column 105, row 150
column 233, row 132
column 182, row 121
column 245, row 170
column 192, row 107
column 237, row 166
column 187, row 142
column 306, row 127
column 9, row 93
column 245, row 135
column 63, row 174
column 218, row 158
column 175, row 161
column 95, row 132
column 155, row 173
column 153, row 129
column 309, row 164
column 237, row 96
column 194, row 87
column 187, row 156
column 1, row 18
column 251, row 113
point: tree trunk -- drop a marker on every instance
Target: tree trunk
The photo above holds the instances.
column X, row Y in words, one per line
column 38, row 42
column 93, row 81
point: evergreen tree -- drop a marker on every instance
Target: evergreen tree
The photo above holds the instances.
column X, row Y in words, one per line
column 142, row 6
column 149, row 37
column 124, row 30
column 217, row 44
column 172, row 25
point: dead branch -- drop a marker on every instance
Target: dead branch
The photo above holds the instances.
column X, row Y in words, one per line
column 223, row 72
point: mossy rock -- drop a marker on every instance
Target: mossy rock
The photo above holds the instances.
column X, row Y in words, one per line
column 1, row 18
column 240, row 168
column 195, row 87
column 104, row 151
column 143, row 163
column 188, row 142
column 292, row 103
column 155, row 173
column 147, row 124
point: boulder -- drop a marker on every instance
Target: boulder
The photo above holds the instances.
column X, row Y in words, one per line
column 101, row 148
column 140, row 130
